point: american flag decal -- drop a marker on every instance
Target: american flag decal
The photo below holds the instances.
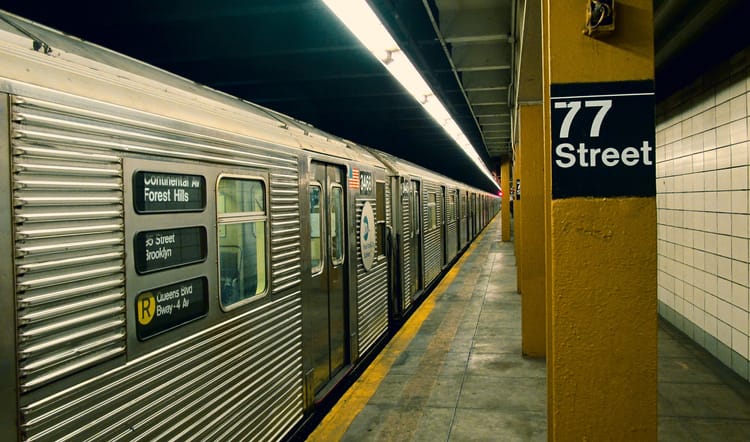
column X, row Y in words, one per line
column 353, row 178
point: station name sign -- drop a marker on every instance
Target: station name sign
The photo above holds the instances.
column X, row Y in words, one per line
column 163, row 249
column 164, row 308
column 156, row 192
column 603, row 139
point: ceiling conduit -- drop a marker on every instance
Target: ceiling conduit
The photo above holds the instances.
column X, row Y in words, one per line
column 456, row 75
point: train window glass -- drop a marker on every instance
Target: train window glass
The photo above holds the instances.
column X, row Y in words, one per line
column 432, row 209
column 242, row 239
column 337, row 225
column 316, row 243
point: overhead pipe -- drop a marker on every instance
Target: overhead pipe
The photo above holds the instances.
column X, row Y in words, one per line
column 512, row 93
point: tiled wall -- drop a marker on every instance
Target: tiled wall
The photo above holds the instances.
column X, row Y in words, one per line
column 703, row 183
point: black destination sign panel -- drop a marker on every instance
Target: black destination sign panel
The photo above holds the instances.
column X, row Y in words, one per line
column 157, row 192
column 603, row 139
column 164, row 308
column 163, row 249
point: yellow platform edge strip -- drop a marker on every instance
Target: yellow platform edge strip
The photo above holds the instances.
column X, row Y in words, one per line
column 339, row 418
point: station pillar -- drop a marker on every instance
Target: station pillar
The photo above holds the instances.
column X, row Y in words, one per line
column 530, row 232
column 601, row 223
column 505, row 209
column 517, row 225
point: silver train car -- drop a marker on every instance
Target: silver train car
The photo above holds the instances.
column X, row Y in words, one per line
column 180, row 264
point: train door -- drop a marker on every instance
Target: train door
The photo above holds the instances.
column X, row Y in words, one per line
column 465, row 235
column 412, row 241
column 458, row 220
column 328, row 263
column 472, row 216
column 444, row 222
column 477, row 214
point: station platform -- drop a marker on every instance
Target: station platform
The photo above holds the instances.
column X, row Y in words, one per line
column 455, row 371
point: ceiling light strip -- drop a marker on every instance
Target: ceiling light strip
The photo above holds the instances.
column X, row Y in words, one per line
column 361, row 20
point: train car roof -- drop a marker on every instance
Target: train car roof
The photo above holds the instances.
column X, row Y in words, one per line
column 29, row 52
column 400, row 167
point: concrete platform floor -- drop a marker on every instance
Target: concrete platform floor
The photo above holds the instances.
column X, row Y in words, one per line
column 455, row 372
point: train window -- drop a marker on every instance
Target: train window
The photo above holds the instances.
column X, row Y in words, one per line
column 432, row 209
column 242, row 239
column 337, row 225
column 316, row 243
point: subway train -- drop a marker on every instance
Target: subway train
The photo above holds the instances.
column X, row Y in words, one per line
column 181, row 264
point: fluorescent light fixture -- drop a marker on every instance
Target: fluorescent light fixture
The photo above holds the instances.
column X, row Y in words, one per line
column 365, row 25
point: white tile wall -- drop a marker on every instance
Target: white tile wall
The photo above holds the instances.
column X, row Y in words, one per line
column 703, row 205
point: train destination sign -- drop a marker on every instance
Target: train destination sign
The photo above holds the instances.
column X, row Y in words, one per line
column 156, row 192
column 163, row 249
column 603, row 139
column 164, row 308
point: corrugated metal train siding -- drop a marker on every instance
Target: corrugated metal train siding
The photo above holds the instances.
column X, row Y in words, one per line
column 406, row 251
column 388, row 214
column 372, row 293
column 286, row 260
column 452, row 232
column 69, row 255
column 241, row 378
column 202, row 389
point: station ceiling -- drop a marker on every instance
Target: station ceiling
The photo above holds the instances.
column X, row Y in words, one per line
column 294, row 56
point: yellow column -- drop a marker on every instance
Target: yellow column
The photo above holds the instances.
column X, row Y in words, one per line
column 517, row 224
column 505, row 186
column 531, row 234
column 601, row 295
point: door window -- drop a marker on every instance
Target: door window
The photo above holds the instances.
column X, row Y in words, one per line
column 316, row 242
column 337, row 225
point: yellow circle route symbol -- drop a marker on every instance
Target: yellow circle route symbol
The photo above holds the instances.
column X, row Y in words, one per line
column 145, row 308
